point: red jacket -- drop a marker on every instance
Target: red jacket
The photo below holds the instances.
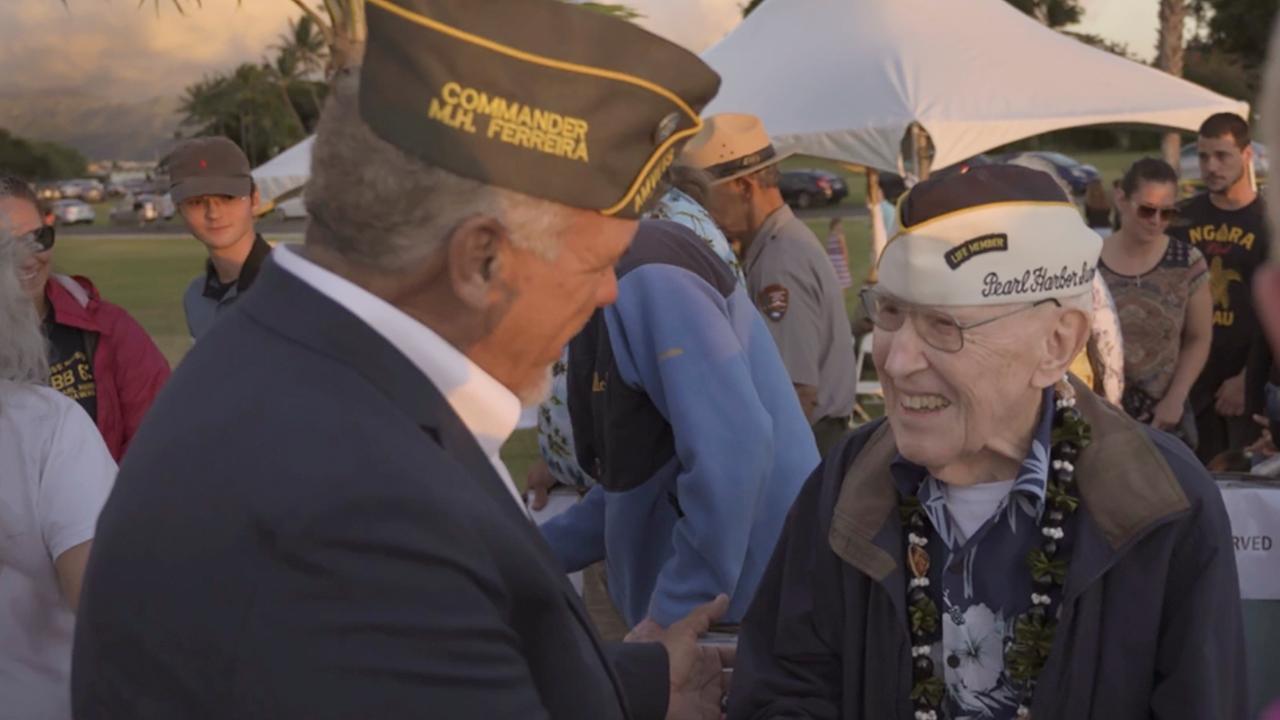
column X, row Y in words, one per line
column 128, row 368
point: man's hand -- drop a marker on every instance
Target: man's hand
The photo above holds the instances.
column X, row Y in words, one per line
column 1230, row 397
column 647, row 631
column 1167, row 413
column 698, row 680
column 1263, row 446
column 537, row 483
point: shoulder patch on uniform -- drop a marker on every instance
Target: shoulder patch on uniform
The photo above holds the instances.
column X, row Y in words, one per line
column 773, row 301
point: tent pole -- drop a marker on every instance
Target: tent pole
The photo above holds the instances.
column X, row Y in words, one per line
column 878, row 233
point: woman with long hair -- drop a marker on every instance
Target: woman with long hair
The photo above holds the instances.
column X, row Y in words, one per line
column 55, row 474
column 1161, row 291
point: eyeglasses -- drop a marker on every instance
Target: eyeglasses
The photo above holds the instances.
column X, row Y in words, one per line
column 42, row 238
column 1146, row 212
column 938, row 330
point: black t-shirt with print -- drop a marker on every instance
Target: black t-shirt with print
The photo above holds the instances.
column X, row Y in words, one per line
column 70, row 367
column 1234, row 244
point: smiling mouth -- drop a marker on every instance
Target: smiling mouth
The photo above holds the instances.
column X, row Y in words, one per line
column 924, row 403
column 27, row 275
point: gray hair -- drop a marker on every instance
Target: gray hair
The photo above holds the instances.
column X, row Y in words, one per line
column 23, row 353
column 12, row 186
column 374, row 205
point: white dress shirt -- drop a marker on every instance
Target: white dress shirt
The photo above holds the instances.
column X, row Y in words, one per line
column 486, row 407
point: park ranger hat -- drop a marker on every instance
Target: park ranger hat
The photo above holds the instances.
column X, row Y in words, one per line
column 207, row 166
column 995, row 235
column 537, row 96
column 730, row 146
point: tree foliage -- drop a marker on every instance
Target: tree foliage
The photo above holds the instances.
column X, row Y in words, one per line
column 264, row 107
column 36, row 160
column 1238, row 27
column 1054, row 13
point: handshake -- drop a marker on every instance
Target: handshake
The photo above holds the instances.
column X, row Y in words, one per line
column 699, row 670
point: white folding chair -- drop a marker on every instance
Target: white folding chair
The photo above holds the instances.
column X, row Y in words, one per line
column 864, row 388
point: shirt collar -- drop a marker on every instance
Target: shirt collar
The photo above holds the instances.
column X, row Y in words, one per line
column 767, row 230
column 216, row 289
column 1033, row 475
column 486, row 407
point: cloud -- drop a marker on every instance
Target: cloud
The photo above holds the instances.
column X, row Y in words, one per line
column 113, row 48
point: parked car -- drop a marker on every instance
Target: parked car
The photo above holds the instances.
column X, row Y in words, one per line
column 1075, row 173
column 48, row 191
column 138, row 210
column 92, row 191
column 1189, row 164
column 72, row 212
column 807, row 188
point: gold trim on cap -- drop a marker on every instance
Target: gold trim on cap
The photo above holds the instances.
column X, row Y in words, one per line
column 536, row 59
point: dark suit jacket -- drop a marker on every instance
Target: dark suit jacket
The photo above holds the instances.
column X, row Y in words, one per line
column 304, row 529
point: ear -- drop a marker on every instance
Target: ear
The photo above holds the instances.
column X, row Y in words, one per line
column 1247, row 153
column 474, row 250
column 1064, row 341
column 255, row 200
column 1118, row 195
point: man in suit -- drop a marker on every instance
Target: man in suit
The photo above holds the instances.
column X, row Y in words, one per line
column 314, row 521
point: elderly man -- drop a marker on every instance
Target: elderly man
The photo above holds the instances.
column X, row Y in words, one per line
column 789, row 276
column 680, row 404
column 1006, row 544
column 315, row 522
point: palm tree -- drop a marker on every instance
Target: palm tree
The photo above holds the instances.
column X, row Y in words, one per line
column 1173, row 14
column 307, row 46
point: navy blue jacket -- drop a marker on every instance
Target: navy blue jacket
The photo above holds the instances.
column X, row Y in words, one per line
column 304, row 529
column 1151, row 619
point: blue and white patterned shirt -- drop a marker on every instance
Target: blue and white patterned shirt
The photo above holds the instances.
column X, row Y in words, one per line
column 982, row 583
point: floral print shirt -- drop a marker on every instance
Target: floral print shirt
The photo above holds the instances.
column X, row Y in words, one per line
column 555, row 434
column 982, row 584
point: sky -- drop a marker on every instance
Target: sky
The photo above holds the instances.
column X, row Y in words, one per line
column 112, row 48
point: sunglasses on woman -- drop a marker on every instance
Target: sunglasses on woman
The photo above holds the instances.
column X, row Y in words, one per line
column 41, row 238
column 1146, row 212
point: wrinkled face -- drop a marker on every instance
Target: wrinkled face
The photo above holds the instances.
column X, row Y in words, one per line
column 1149, row 210
column 547, row 301
column 19, row 217
column 1222, row 162
column 219, row 221
column 730, row 206
column 947, row 408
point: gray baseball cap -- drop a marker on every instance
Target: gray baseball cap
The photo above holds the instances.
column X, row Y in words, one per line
column 207, row 166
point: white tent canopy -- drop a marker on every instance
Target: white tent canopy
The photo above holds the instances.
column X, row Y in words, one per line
column 285, row 172
column 845, row 79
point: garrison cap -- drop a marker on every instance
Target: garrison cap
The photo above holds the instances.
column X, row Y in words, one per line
column 207, row 166
column 996, row 234
column 536, row 96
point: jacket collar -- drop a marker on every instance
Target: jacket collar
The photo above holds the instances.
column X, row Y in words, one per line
column 768, row 230
column 67, row 308
column 214, row 288
column 289, row 307
column 1126, row 487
